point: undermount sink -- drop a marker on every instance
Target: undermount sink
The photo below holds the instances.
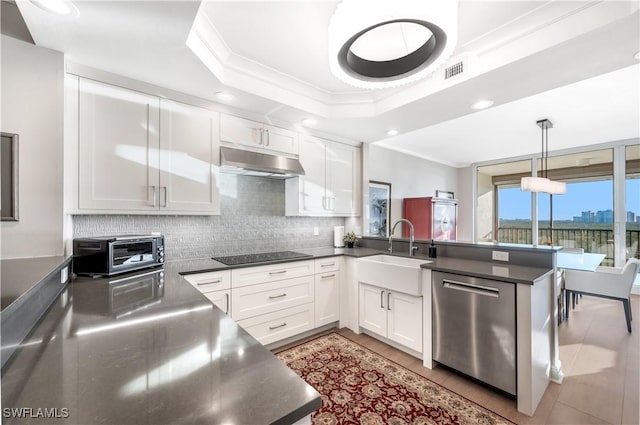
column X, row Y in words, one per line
column 402, row 274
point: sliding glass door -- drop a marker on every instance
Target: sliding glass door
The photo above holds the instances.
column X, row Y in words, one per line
column 632, row 198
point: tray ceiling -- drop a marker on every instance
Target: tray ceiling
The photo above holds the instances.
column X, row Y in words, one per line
column 272, row 55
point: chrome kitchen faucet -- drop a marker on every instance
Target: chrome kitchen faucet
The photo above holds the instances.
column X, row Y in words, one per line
column 412, row 249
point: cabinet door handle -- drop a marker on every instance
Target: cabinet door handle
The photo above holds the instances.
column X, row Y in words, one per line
column 327, row 264
column 227, row 296
column 276, row 327
column 209, row 282
column 261, row 142
column 381, row 299
column 164, row 203
column 272, row 297
column 327, row 276
column 267, row 138
column 278, row 272
column 153, row 196
column 388, row 302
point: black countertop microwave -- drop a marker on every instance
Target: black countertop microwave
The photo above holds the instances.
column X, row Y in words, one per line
column 111, row 255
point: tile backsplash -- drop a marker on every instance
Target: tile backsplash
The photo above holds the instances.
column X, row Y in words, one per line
column 251, row 220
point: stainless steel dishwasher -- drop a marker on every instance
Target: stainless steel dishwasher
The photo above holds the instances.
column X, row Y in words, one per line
column 474, row 328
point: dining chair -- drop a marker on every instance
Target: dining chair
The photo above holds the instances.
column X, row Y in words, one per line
column 605, row 282
column 562, row 306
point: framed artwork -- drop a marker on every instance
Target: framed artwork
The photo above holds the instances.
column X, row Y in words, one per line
column 379, row 208
column 9, row 177
column 444, row 194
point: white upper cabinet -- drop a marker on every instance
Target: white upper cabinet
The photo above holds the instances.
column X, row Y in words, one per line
column 312, row 158
column 343, row 183
column 118, row 148
column 256, row 135
column 137, row 153
column 331, row 185
column 189, row 158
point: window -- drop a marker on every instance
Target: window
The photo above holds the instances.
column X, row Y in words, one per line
column 583, row 217
column 504, row 211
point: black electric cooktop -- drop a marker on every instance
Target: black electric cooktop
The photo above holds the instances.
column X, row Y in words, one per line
column 263, row 257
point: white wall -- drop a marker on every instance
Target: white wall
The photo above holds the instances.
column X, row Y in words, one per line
column 409, row 176
column 32, row 106
column 465, row 204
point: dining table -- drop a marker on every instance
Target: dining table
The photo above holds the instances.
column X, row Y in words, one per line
column 586, row 261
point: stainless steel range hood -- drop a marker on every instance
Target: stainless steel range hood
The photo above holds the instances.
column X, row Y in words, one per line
column 250, row 163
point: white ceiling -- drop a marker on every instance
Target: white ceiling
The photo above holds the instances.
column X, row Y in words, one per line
column 535, row 59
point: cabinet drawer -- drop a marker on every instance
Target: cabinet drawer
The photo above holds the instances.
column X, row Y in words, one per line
column 327, row 264
column 210, row 281
column 261, row 274
column 222, row 299
column 273, row 327
column 260, row 299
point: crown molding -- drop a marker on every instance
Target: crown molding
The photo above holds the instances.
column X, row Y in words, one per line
column 543, row 27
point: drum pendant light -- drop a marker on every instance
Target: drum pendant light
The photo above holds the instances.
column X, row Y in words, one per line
column 543, row 184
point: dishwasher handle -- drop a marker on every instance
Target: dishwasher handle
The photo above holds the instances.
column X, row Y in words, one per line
column 470, row 287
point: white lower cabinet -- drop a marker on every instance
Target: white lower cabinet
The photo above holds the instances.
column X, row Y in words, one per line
column 276, row 301
column 327, row 291
column 391, row 314
column 221, row 299
column 327, row 287
column 273, row 327
column 249, row 301
column 216, row 286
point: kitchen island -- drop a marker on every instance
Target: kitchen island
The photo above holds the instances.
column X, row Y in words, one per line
column 148, row 348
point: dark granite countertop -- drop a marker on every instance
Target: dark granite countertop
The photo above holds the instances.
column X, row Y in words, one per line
column 19, row 276
column 149, row 348
column 201, row 265
column 489, row 270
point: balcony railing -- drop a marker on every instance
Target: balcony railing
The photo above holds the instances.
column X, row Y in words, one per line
column 591, row 240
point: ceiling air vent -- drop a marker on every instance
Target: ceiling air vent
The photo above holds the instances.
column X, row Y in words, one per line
column 453, row 70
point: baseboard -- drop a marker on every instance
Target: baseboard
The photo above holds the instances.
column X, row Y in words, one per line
column 300, row 336
column 392, row 343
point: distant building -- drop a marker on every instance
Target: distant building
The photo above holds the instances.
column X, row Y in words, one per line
column 631, row 217
column 604, row 216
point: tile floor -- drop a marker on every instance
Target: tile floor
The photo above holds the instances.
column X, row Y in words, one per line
column 599, row 358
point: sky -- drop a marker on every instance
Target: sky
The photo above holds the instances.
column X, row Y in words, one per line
column 581, row 196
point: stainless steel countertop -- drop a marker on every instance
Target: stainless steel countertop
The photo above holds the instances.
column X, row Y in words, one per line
column 149, row 350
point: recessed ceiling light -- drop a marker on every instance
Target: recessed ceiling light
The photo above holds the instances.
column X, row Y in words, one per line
column 482, row 104
column 392, row 132
column 224, row 96
column 309, row 122
column 637, row 56
column 57, row 7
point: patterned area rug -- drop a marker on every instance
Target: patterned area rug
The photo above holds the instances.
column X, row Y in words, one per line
column 359, row 386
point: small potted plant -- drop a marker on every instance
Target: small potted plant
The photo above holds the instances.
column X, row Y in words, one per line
column 350, row 238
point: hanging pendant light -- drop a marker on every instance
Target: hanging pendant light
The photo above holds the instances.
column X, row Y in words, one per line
column 543, row 184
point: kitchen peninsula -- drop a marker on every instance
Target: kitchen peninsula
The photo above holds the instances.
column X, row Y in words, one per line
column 147, row 347
column 134, row 347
